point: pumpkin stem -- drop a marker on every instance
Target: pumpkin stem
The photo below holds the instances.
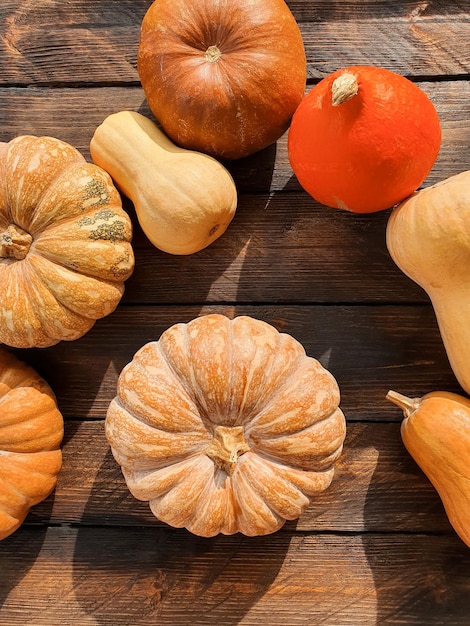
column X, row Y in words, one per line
column 213, row 54
column 408, row 405
column 227, row 445
column 343, row 89
column 15, row 242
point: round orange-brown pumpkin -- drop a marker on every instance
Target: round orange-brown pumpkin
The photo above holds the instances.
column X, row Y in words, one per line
column 31, row 431
column 222, row 78
column 363, row 139
column 226, row 426
column 65, row 248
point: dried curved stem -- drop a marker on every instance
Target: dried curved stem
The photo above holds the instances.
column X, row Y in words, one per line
column 15, row 242
column 343, row 89
column 408, row 405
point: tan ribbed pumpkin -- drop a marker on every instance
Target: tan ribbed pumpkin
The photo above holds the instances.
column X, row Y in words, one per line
column 226, row 426
column 31, row 431
column 65, row 247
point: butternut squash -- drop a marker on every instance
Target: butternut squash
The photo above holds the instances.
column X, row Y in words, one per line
column 436, row 432
column 428, row 238
column 184, row 200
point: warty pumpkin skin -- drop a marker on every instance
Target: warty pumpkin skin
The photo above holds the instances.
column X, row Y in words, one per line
column 31, row 431
column 222, row 78
column 65, row 248
column 226, row 426
column 436, row 433
column 428, row 238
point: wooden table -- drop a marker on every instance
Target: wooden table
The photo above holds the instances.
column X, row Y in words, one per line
column 376, row 548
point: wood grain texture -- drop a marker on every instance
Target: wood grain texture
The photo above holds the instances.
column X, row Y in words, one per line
column 369, row 349
column 377, row 486
column 376, row 548
column 429, row 39
column 117, row 577
column 73, row 114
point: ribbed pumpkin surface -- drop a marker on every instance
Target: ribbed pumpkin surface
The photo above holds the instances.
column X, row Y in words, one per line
column 226, row 426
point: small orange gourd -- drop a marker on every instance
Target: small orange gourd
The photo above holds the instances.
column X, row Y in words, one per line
column 65, row 247
column 436, row 433
column 226, row 426
column 363, row 139
column 31, row 431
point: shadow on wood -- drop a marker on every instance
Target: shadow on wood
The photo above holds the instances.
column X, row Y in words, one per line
column 164, row 574
column 18, row 554
column 427, row 579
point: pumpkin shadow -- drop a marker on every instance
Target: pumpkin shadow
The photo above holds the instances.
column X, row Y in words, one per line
column 18, row 553
column 201, row 277
column 420, row 577
column 157, row 574
column 303, row 251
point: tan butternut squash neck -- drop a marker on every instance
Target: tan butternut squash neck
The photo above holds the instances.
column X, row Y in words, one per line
column 129, row 146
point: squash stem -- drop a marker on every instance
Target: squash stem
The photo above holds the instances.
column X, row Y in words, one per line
column 408, row 405
column 343, row 89
column 213, row 54
column 227, row 445
column 15, row 243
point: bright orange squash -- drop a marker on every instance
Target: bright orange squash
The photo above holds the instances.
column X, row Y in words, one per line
column 436, row 432
column 31, row 431
column 363, row 139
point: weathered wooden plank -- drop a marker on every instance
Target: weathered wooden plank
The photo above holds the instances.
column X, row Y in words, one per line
column 280, row 247
column 117, row 577
column 288, row 238
column 377, row 488
column 73, row 114
column 52, row 42
column 412, row 45
column 369, row 349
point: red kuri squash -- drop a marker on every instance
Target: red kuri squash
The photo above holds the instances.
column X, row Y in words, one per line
column 363, row 139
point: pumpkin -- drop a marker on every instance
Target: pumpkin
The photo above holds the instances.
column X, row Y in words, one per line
column 427, row 238
column 436, row 433
column 226, row 426
column 65, row 247
column 31, row 431
column 363, row 139
column 222, row 78
column 184, row 200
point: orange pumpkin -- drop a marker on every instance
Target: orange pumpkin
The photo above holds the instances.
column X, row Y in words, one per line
column 31, row 431
column 226, row 426
column 363, row 139
column 65, row 247
column 222, row 78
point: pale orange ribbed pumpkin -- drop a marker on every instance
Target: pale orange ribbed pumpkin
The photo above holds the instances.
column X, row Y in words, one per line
column 226, row 426
column 31, row 431
column 65, row 247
